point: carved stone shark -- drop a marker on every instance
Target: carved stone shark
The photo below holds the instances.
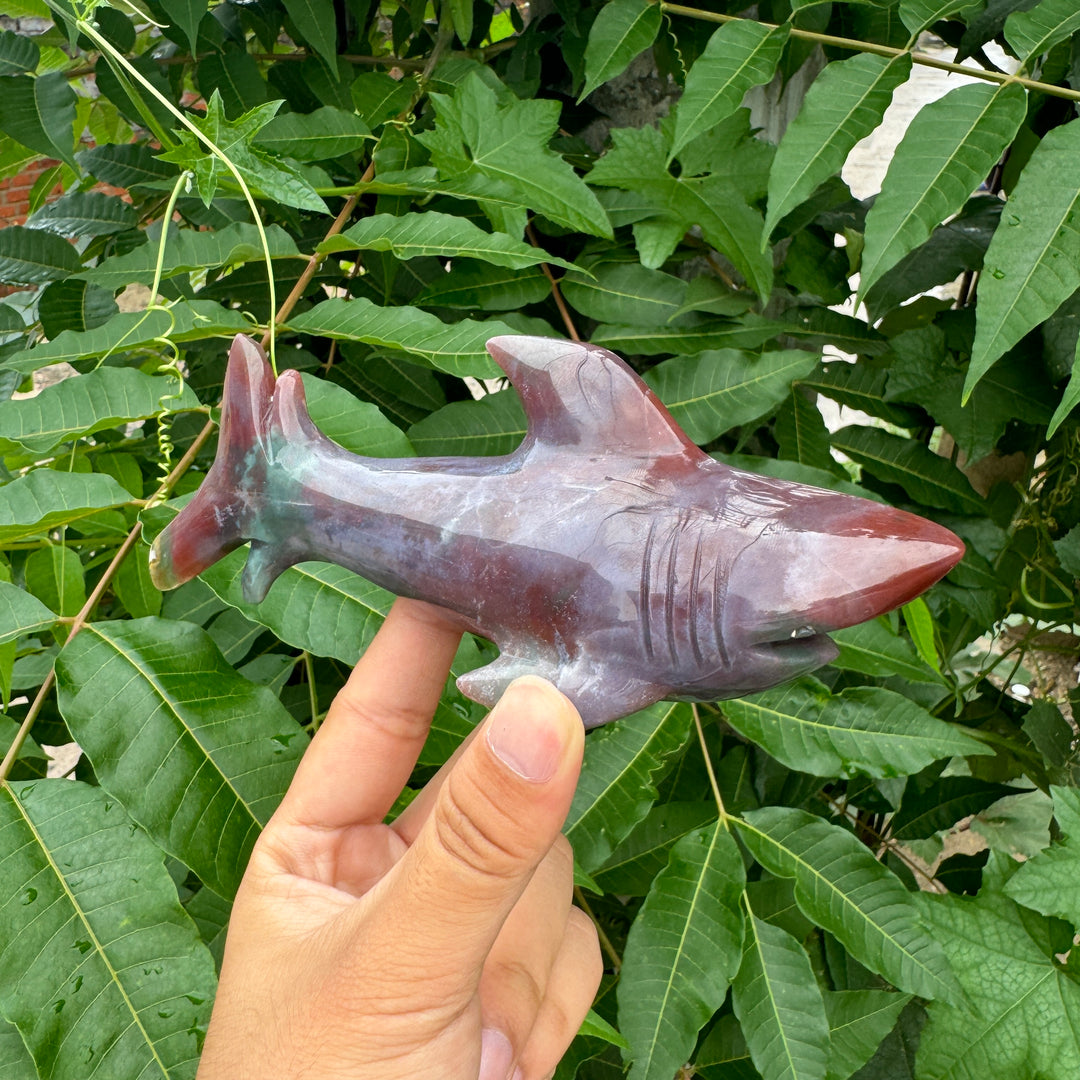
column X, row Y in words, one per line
column 607, row 552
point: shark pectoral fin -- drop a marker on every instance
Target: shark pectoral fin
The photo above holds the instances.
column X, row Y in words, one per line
column 599, row 696
column 487, row 684
column 265, row 562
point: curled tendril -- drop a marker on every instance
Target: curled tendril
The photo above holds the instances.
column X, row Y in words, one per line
column 170, row 366
column 1042, row 605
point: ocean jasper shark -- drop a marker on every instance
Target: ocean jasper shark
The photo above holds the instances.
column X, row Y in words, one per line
column 607, row 553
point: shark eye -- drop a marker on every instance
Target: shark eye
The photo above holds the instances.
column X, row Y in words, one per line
column 803, row 632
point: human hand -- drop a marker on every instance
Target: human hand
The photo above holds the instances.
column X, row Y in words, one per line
column 443, row 945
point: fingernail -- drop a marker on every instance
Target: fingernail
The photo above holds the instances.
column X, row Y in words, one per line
column 496, row 1055
column 524, row 731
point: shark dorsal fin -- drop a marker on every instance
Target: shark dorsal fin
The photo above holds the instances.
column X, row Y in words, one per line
column 584, row 396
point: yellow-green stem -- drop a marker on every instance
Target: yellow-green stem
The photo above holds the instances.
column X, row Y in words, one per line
column 214, row 149
column 856, row 45
column 709, row 767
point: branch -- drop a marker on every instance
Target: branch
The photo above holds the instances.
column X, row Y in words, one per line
column 855, row 45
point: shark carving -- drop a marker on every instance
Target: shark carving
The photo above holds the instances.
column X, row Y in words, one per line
column 607, row 553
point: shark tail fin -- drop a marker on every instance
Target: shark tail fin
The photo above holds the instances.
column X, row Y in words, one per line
column 220, row 516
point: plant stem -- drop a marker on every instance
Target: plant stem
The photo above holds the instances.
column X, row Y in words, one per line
column 316, row 259
column 162, row 491
column 855, row 45
column 313, row 695
column 709, row 766
column 560, row 303
column 214, row 149
column 91, row 602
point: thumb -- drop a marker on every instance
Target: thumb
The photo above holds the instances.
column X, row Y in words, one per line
column 495, row 817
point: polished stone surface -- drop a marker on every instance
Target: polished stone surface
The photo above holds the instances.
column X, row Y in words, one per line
column 606, row 553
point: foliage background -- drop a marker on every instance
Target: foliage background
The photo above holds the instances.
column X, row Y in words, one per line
column 774, row 906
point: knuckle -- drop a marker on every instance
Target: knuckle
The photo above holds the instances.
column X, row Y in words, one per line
column 518, row 987
column 477, row 833
column 393, row 721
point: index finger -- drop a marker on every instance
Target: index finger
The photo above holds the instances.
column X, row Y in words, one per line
column 362, row 756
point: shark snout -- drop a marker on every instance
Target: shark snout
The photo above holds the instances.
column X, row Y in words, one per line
column 841, row 562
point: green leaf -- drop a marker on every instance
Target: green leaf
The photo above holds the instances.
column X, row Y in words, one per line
column 622, row 30
column 844, row 889
column 863, row 729
column 379, row 98
column 1032, row 33
column 316, row 136
column 456, row 348
column 682, row 952
column 858, row 1021
column 494, row 424
column 631, row 867
column 236, row 76
column 800, row 431
column 919, row 15
column 494, row 148
column 623, row 763
column 271, row 177
column 723, row 1054
column 1047, row 882
column 596, row 1027
column 199, row 756
column 18, row 53
column 690, row 337
column 442, row 235
column 859, row 386
column 108, row 955
column 187, row 14
column 779, row 1005
column 188, row 250
column 922, row 371
column 844, row 104
column 317, row 23
column 15, row 1060
column 318, row 607
column 920, row 624
column 739, row 55
column 624, row 293
column 129, row 166
column 483, row 287
column 927, row 478
column 85, row 213
column 134, row 589
column 1067, row 550
column 356, row 425
column 39, row 112
column 713, row 392
column 1023, row 1019
column 940, row 804
column 74, row 305
column 30, row 257
column 1069, row 399
column 54, row 574
column 947, row 151
column 21, row 613
column 44, row 499
column 210, row 913
column 874, row 649
column 1033, row 262
column 76, row 407
column 133, row 329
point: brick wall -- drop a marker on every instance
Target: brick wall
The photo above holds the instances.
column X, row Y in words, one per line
column 15, row 200
column 15, row 192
